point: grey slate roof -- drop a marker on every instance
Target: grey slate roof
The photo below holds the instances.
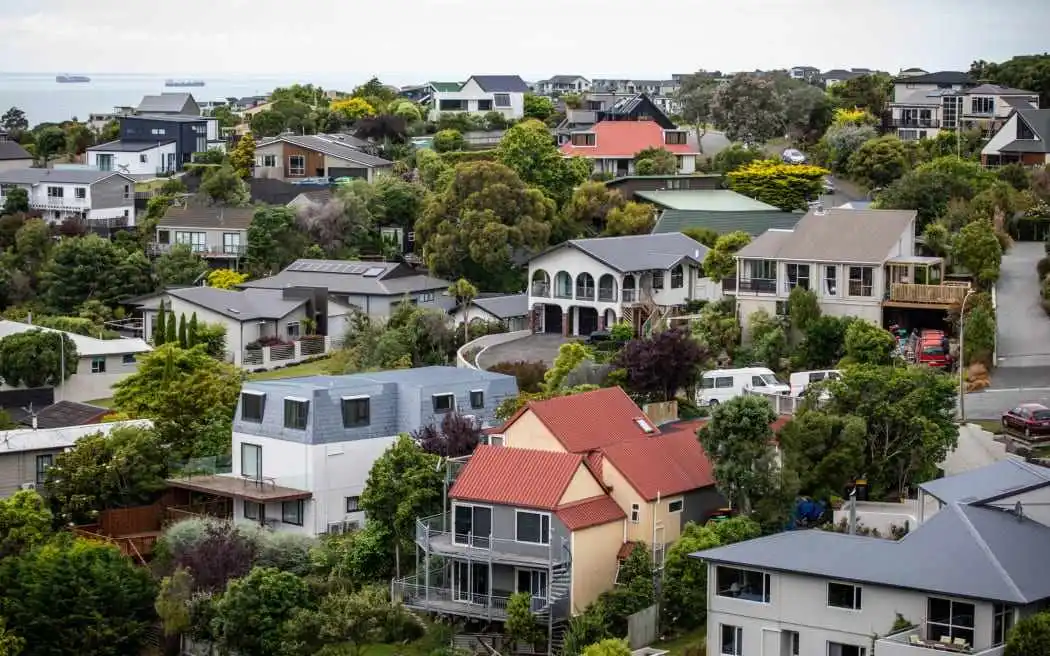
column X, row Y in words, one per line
column 997, row 90
column 400, row 401
column 565, row 79
column 753, row 223
column 13, row 150
column 339, row 148
column 837, row 235
column 334, row 275
column 939, row 77
column 965, row 551
column 501, row 83
column 164, row 103
column 217, row 218
column 1039, row 121
column 504, row 307
column 83, row 176
column 247, row 305
column 170, row 118
column 1003, row 477
column 319, row 196
column 639, row 252
column 119, row 146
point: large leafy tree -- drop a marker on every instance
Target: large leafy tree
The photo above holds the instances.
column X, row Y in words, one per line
column 476, row 223
column 397, row 202
column 457, row 436
column 538, row 107
column 807, row 112
column 823, row 343
column 869, row 92
column 179, row 266
column 188, row 394
column 826, row 450
column 662, row 364
column 1030, row 72
column 655, row 161
column 585, row 213
column 749, row 108
column 696, row 96
column 528, row 149
column 250, row 615
column 720, row 263
column 879, row 162
column 81, row 268
column 223, row 185
column 79, row 595
column 125, row 468
column 34, row 358
column 1030, row 637
column 977, row 248
column 341, row 225
column 14, row 120
column 273, row 240
column 25, row 522
column 842, row 140
column 10, row 644
column 15, row 200
column 351, row 621
column 909, row 414
column 789, row 187
column 630, row 219
column 867, row 343
column 242, row 157
column 928, row 187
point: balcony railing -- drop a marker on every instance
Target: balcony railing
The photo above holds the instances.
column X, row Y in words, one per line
column 204, row 250
column 448, row 600
column 71, row 204
column 540, row 288
column 438, row 534
column 758, row 285
column 562, row 292
column 607, row 294
column 915, row 123
column 630, row 295
column 917, row 641
column 585, row 293
column 946, row 294
column 267, row 357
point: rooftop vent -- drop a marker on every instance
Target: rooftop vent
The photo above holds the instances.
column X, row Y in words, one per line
column 233, row 310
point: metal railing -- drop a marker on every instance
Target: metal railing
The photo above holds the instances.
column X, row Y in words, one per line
column 584, row 292
column 415, row 595
column 438, row 531
column 915, row 123
column 758, row 285
column 630, row 295
column 301, row 349
column 204, row 250
column 918, row 640
column 783, row 404
column 541, row 289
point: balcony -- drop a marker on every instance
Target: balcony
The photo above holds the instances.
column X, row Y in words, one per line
column 437, row 535
column 758, row 285
column 917, row 641
column 915, row 123
column 262, row 358
column 630, row 296
column 61, row 204
column 562, row 292
column 585, row 292
column 414, row 594
column 540, row 288
column 946, row 294
column 204, row 250
column 607, row 294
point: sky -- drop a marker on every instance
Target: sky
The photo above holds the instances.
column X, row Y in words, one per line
column 404, row 41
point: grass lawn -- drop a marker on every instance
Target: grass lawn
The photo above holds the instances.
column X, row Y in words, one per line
column 993, row 426
column 678, row 646
column 314, row 368
column 102, row 403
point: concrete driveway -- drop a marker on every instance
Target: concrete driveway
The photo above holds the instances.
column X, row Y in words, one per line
column 534, row 348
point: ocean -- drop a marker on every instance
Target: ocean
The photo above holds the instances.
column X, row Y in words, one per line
column 44, row 100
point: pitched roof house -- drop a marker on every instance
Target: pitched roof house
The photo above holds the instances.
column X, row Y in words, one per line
column 720, row 210
column 613, row 144
column 510, row 309
column 299, row 157
column 481, row 94
column 1024, row 138
column 218, row 234
column 169, row 103
column 14, row 156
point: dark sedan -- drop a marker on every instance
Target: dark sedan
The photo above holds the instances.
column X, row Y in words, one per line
column 1028, row 419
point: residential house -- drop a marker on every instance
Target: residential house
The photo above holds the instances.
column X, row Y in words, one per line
column 103, row 199
column 264, row 327
column 805, row 73
column 1006, row 477
column 57, row 415
column 584, row 285
column 612, row 107
column 156, row 144
column 858, row 262
column 373, row 288
column 424, row 93
column 837, row 76
column 481, row 94
column 720, row 210
column 923, row 104
column 292, row 157
column 168, row 103
column 958, row 583
column 663, row 88
column 101, row 362
column 912, row 72
column 629, row 185
column 312, row 197
column 988, row 106
column 218, row 234
column 1024, row 138
column 560, row 84
column 511, row 310
column 13, row 156
column 612, row 146
column 303, row 447
column 28, row 453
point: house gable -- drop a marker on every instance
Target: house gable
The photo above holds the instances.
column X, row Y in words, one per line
column 526, row 431
column 583, row 485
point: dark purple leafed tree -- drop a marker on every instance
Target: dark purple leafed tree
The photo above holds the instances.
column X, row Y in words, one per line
column 222, row 554
column 660, row 365
column 457, row 436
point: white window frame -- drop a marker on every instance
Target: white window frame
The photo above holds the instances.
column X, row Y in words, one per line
column 268, row 161
column 831, row 289
column 301, row 512
column 798, row 269
column 480, row 406
column 284, row 409
column 767, row 585
column 358, row 397
column 356, row 504
column 681, row 505
column 546, row 587
column 80, row 193
column 543, row 534
column 636, row 513
column 433, row 403
column 738, row 640
column 297, row 170
column 860, row 281
column 863, row 650
column 497, row 97
column 426, row 297
column 858, row 596
column 55, row 192
column 288, row 330
column 259, row 450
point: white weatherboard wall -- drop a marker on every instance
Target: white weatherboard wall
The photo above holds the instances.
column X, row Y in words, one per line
column 1002, row 138
column 156, row 158
column 86, row 386
column 799, row 603
column 331, row 472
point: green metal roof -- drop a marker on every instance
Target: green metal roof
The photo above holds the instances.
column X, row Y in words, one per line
column 665, row 177
column 447, row 86
column 705, row 200
column 752, row 222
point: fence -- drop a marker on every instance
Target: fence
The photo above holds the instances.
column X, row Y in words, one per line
column 783, row 404
column 641, row 627
column 280, row 355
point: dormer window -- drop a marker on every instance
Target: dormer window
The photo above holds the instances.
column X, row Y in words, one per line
column 675, row 137
column 1024, row 131
column 296, row 412
column 584, row 139
column 356, row 411
column 252, row 406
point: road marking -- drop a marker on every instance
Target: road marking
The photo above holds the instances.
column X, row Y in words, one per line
column 1012, row 390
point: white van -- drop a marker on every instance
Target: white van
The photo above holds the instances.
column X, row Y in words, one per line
column 720, row 385
column 802, row 379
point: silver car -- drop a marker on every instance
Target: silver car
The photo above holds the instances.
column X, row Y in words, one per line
column 793, row 156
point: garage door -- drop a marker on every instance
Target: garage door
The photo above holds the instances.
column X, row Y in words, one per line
column 336, row 172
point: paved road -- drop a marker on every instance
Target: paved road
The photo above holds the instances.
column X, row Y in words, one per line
column 542, row 348
column 1024, row 329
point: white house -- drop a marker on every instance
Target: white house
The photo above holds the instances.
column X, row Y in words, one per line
column 584, row 285
column 101, row 198
column 303, row 448
column 857, row 261
column 481, row 94
column 563, row 84
column 924, row 104
column 101, row 362
column 137, row 157
column 957, row 583
column 1023, row 138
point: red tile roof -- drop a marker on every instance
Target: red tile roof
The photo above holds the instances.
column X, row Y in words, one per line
column 589, row 512
column 626, row 549
column 516, row 477
column 591, row 420
column 624, row 139
column 663, row 465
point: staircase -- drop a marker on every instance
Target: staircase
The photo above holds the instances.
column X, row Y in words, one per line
column 557, row 639
column 656, row 315
column 561, row 581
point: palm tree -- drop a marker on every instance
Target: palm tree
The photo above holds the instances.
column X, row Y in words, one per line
column 464, row 293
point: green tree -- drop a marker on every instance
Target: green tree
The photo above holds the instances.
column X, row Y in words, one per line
column 10, row 644
column 78, row 138
column 840, row 142
column 273, row 240
column 171, row 335
column 160, row 331
column 352, row 109
column 704, row 235
column 867, row 343
column 823, row 343
column 464, row 293
column 473, row 226
column 608, row 647
column 539, row 108
column 183, row 337
column 49, row 141
column 352, row 621
column 267, row 123
column 527, row 148
column 977, row 248
column 749, row 108
column 909, row 413
column 980, row 330
column 34, row 358
column 398, row 202
column 134, row 275
column 15, row 200
column 25, row 522
column 104, row 607
column 449, row 140
column 807, row 112
column 803, row 308
column 124, row 468
column 1030, row 636
column 720, row 263
column 188, row 394
column 734, row 157
column 1031, row 72
column 192, row 331
column 14, row 120
column 655, row 161
column 570, row 356
column 179, row 266
column 826, row 450
column 250, row 615
column 408, row 111
column 879, row 162
column 521, row 624
column 937, row 238
column 80, row 269
column 787, row 186
column 404, row 484
column 928, row 187
column 869, row 92
column 242, row 157
column 630, row 219
column 223, row 185
column 696, row 96
column 586, row 212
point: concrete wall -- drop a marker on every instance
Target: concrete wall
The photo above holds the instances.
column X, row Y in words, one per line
column 482, row 343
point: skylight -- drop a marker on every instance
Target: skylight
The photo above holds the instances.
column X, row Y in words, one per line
column 644, row 425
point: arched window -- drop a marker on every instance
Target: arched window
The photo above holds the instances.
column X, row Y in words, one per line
column 541, row 283
column 607, row 288
column 585, row 287
column 562, row 285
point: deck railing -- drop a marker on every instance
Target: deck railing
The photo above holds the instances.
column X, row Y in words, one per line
column 944, row 294
column 442, row 537
column 414, row 595
column 267, row 357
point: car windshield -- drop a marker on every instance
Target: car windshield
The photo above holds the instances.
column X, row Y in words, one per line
column 770, row 379
column 1041, row 415
column 933, row 350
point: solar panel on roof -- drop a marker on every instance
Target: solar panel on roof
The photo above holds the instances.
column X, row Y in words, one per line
column 373, row 272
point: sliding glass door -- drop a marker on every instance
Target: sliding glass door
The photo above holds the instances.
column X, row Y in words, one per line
column 472, row 526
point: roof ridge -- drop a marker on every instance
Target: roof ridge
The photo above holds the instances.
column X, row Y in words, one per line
column 580, row 502
column 983, row 546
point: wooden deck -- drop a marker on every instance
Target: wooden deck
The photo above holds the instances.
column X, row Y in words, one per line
column 259, row 491
column 911, row 295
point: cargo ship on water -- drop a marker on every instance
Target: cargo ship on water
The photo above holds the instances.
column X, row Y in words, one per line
column 72, row 79
column 184, row 83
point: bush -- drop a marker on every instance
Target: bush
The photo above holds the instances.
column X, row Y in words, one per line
column 529, row 374
column 449, row 140
column 1042, row 268
column 455, row 157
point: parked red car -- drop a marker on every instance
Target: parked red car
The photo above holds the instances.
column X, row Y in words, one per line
column 932, row 349
column 1028, row 419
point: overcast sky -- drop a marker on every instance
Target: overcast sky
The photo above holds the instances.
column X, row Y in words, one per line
column 404, row 40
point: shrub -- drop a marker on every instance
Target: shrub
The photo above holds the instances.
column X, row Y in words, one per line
column 449, row 140
column 529, row 374
column 455, row 157
column 1043, row 266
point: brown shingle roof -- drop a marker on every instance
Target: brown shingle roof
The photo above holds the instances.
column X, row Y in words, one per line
column 589, row 512
column 591, row 420
column 218, row 218
column 662, row 465
column 836, row 235
column 516, row 477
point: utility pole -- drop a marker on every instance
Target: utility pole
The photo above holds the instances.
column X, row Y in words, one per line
column 962, row 357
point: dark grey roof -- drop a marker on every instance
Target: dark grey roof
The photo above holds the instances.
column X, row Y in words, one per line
column 348, row 277
column 232, row 218
column 1039, row 121
column 839, row 74
column 639, row 252
column 564, row 79
column 246, row 305
column 501, row 83
column 753, row 223
column 64, row 414
column 504, row 307
column 170, row 118
column 341, row 148
column 966, row 551
column 320, row 196
column 997, row 90
column 939, row 77
column 164, row 103
column 1003, row 477
column 1018, row 102
column 836, row 235
column 84, row 176
column 119, row 146
column 13, row 150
